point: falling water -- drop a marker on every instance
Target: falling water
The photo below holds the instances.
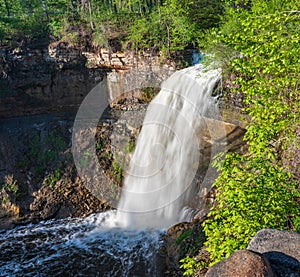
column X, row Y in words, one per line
column 159, row 181
column 158, row 186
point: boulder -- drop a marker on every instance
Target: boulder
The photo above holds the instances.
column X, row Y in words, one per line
column 64, row 199
column 243, row 263
column 281, row 248
column 182, row 239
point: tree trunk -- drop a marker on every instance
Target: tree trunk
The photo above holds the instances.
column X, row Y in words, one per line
column 73, row 5
column 7, row 8
column 90, row 12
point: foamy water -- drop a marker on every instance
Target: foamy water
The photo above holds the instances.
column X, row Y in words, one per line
column 79, row 247
column 158, row 186
column 159, row 182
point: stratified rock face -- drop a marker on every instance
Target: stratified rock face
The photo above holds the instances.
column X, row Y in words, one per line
column 57, row 78
column 282, row 249
column 243, row 263
column 34, row 82
column 38, row 178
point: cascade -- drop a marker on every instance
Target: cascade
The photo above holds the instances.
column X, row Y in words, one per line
column 158, row 187
column 159, row 180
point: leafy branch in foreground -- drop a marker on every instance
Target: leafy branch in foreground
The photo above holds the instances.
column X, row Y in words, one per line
column 253, row 193
column 254, row 189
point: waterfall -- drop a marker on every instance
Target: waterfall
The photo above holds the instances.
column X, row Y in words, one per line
column 157, row 191
column 159, row 181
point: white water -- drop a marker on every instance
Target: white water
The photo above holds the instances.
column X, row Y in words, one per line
column 79, row 247
column 159, row 181
column 158, row 185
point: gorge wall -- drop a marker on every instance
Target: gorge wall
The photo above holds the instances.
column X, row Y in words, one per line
column 41, row 90
column 58, row 77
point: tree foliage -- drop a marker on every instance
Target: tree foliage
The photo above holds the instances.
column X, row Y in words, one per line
column 27, row 19
column 175, row 25
column 167, row 25
column 255, row 191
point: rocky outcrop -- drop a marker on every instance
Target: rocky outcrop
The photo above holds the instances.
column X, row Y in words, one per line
column 40, row 180
column 117, row 133
column 121, row 59
column 38, row 177
column 182, row 239
column 66, row 198
column 243, row 263
column 270, row 253
column 57, row 78
column 122, row 82
column 34, row 82
column 281, row 248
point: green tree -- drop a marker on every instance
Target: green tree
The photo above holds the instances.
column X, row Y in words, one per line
column 255, row 191
column 24, row 19
column 175, row 24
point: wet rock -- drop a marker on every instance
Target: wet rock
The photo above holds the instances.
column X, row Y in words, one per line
column 282, row 248
column 243, row 263
column 182, row 239
column 173, row 249
column 6, row 223
column 202, row 214
column 116, row 136
column 9, row 209
column 65, row 199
